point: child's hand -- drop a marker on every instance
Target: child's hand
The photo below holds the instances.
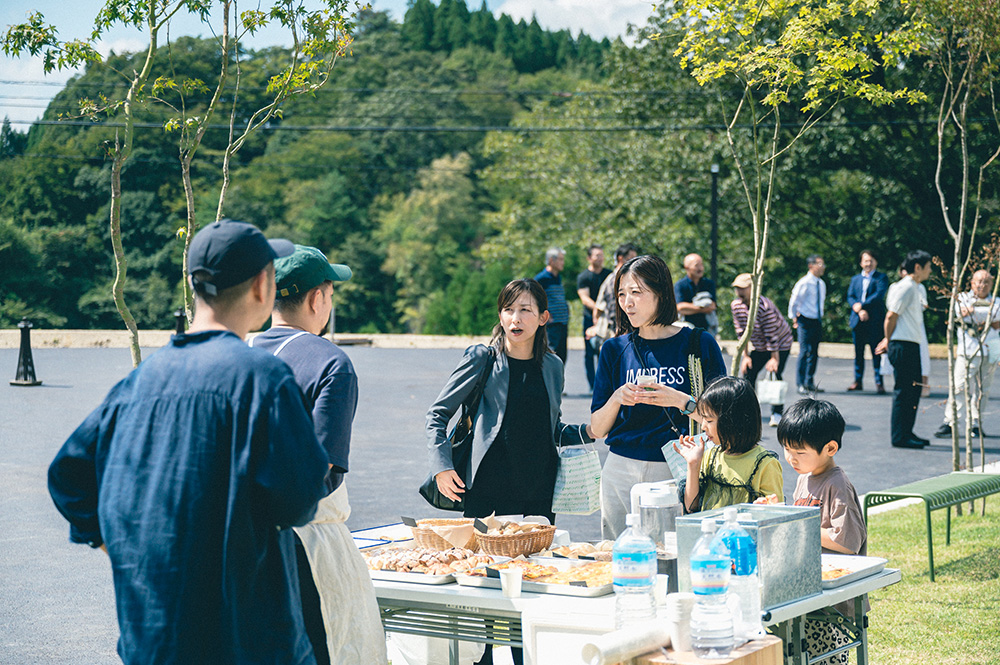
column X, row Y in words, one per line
column 691, row 448
column 767, row 500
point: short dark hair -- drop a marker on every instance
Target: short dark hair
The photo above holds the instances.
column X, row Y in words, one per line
column 917, row 257
column 590, row 250
column 655, row 275
column 735, row 404
column 812, row 258
column 228, row 297
column 292, row 303
column 812, row 423
column 624, row 249
column 868, row 252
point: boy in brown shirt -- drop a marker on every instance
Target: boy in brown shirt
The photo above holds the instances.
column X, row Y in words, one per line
column 811, row 431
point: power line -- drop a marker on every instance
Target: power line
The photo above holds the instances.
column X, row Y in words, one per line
column 431, row 129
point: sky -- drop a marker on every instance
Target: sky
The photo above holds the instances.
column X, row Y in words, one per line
column 25, row 89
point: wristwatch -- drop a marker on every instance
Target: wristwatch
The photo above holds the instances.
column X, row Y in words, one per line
column 689, row 408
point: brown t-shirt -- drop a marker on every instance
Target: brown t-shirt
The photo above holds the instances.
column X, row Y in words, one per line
column 839, row 507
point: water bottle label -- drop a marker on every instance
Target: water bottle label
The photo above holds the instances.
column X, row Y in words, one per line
column 633, row 569
column 710, row 576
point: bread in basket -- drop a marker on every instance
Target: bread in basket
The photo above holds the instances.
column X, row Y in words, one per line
column 425, row 536
column 516, row 543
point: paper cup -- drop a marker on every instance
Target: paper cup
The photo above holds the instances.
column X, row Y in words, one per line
column 660, row 589
column 646, row 381
column 510, row 582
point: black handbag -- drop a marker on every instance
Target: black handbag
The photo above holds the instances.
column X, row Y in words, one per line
column 460, row 439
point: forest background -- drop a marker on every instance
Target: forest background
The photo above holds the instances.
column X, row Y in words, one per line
column 446, row 154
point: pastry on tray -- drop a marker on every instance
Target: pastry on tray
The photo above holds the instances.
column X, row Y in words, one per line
column 425, row 561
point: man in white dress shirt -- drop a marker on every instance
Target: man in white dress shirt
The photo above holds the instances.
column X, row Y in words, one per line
column 977, row 353
column 904, row 329
column 805, row 309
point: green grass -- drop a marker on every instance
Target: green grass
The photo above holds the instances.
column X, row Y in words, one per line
column 956, row 618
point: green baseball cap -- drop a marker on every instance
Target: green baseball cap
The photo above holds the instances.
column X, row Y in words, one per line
column 306, row 268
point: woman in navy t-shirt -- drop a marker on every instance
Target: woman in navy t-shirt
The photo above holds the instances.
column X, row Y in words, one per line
column 639, row 420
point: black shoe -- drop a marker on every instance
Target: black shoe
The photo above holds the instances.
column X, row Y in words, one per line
column 815, row 389
column 921, row 440
column 943, row 432
column 976, row 433
column 855, row 386
column 910, row 443
column 880, row 389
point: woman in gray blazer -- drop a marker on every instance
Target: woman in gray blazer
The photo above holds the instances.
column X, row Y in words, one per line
column 518, row 425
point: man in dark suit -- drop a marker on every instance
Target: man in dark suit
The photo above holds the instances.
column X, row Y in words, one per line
column 866, row 296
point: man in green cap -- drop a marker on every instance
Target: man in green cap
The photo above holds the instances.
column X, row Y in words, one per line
column 338, row 599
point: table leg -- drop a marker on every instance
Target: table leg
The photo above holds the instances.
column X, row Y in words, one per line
column 792, row 633
column 861, row 620
column 453, row 652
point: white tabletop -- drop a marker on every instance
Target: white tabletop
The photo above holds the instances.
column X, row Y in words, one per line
column 831, row 597
column 477, row 599
column 483, row 600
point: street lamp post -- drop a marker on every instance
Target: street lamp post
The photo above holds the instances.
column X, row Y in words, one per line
column 715, row 222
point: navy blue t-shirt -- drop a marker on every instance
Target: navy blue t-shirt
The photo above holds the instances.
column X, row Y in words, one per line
column 330, row 387
column 685, row 291
column 640, row 431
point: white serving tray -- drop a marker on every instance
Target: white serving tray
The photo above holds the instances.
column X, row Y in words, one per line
column 860, row 567
column 388, row 533
column 413, row 578
column 540, row 587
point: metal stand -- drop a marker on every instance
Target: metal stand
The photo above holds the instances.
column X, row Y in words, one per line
column 25, row 364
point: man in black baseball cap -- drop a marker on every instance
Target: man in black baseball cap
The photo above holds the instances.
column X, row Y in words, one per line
column 191, row 468
column 344, row 627
column 227, row 253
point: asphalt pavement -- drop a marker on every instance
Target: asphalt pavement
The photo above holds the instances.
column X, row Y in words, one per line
column 56, row 599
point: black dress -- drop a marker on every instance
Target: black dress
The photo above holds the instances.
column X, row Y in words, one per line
column 518, row 472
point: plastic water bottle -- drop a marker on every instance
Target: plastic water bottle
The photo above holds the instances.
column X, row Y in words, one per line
column 744, row 582
column 633, row 567
column 711, row 620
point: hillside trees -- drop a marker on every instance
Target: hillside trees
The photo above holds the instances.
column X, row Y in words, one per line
column 318, row 37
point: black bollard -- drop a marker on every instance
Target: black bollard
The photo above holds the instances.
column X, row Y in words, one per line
column 180, row 320
column 25, row 364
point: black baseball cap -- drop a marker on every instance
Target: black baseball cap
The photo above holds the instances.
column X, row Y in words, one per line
column 231, row 253
column 305, row 269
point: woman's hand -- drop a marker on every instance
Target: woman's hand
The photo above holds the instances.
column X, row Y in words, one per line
column 691, row 448
column 657, row 394
column 450, row 484
column 625, row 395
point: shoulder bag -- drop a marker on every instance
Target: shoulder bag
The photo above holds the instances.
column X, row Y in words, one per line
column 460, row 438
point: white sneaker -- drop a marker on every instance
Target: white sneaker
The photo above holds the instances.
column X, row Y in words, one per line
column 775, row 419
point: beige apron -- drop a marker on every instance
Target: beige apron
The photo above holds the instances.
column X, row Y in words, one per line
column 354, row 632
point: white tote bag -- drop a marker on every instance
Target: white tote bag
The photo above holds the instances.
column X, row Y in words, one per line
column 771, row 390
column 578, row 481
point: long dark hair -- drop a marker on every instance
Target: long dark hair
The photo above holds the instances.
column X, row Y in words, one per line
column 655, row 275
column 735, row 405
column 508, row 296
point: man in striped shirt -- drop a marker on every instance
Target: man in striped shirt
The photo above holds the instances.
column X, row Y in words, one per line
column 557, row 328
column 770, row 339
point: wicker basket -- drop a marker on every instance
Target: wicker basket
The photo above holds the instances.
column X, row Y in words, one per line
column 518, row 543
column 424, row 534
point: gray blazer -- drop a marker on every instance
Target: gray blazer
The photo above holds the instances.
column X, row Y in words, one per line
column 489, row 417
